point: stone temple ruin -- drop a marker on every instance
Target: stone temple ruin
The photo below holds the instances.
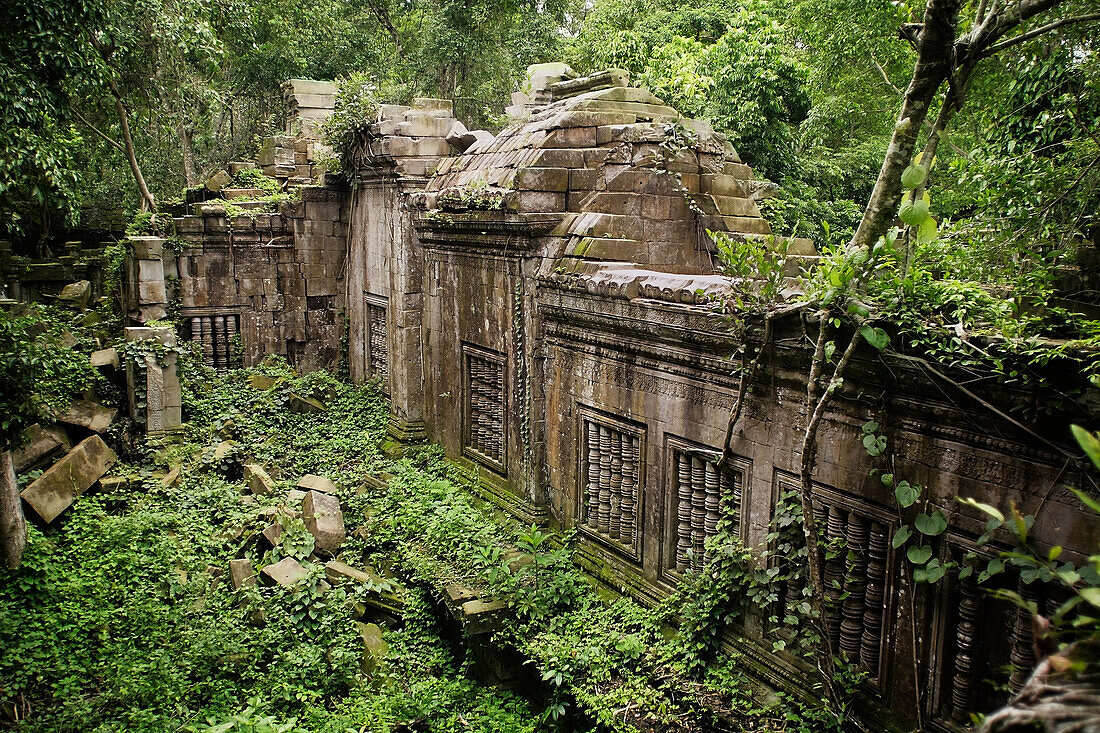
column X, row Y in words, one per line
column 540, row 302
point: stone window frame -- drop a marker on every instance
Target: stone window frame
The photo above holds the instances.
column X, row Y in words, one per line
column 371, row 301
column 878, row 682
column 586, row 415
column 186, row 314
column 675, row 444
column 947, row 607
column 497, row 463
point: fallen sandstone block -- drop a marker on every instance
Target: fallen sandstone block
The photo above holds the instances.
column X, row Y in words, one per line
column 172, row 478
column 241, row 573
column 272, row 534
column 299, row 404
column 312, row 482
column 324, row 520
column 375, row 648
column 287, row 571
column 76, row 294
column 105, row 358
column 56, row 489
column 258, row 481
column 88, row 415
column 482, row 617
column 41, row 444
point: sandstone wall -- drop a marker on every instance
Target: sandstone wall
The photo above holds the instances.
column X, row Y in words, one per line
column 539, row 303
column 276, row 280
column 556, row 284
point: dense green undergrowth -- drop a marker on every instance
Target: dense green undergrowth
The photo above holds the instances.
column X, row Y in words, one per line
column 122, row 617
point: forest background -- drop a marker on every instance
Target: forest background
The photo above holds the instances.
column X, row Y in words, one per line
column 807, row 91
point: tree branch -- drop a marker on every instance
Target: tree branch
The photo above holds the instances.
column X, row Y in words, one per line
column 1023, row 37
column 748, row 374
column 99, row 132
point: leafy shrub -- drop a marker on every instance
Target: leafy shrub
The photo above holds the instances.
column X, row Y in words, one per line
column 255, row 178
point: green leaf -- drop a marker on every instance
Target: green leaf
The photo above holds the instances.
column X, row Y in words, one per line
column 927, row 231
column 906, row 494
column 830, row 349
column 914, row 213
column 913, row 176
column 931, row 525
column 986, row 508
column 918, row 555
column 875, row 336
column 1086, row 499
column 870, row 426
column 901, row 536
column 1089, row 442
column 1092, row 595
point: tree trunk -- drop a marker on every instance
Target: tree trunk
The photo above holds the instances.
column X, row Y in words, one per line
column 190, row 175
column 148, row 203
column 935, row 56
column 13, row 527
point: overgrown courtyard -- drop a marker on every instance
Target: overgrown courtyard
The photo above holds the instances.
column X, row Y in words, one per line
column 123, row 615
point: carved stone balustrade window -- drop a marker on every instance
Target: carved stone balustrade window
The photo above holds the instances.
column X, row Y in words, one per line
column 485, row 407
column 700, row 497
column 858, row 566
column 219, row 336
column 610, row 476
column 378, row 345
column 985, row 646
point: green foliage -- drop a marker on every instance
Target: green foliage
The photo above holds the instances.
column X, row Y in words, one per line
column 357, row 102
column 255, row 178
column 39, row 145
column 121, row 617
column 20, row 369
column 148, row 224
column 44, row 366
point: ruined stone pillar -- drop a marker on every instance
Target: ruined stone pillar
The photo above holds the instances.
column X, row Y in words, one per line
column 153, row 386
column 385, row 301
column 147, row 297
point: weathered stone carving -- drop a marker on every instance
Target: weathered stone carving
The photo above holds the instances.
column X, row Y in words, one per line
column 612, row 457
column 485, row 406
column 219, row 336
column 700, row 491
column 378, row 340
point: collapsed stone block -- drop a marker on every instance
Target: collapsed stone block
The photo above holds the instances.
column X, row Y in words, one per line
column 458, row 594
column 272, row 534
column 218, row 181
column 222, row 450
column 324, row 520
column 41, row 444
column 108, row 484
column 311, row 482
column 389, row 603
column 299, row 404
column 287, row 571
column 76, row 294
column 105, row 358
column 259, row 381
column 172, row 478
column 56, row 489
column 258, row 481
column 147, row 248
column 241, row 573
column 375, row 648
column 482, row 617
